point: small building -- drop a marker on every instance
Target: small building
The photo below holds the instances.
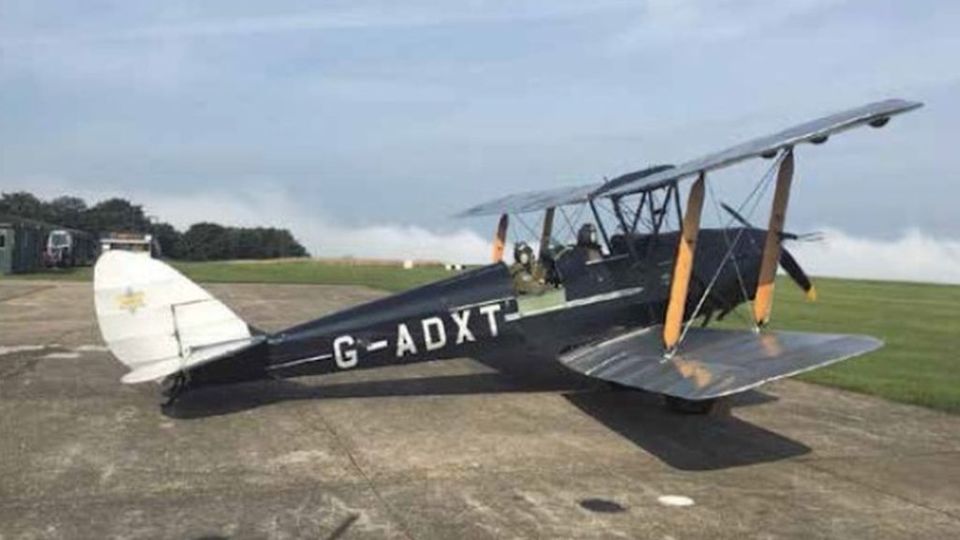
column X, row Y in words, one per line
column 22, row 243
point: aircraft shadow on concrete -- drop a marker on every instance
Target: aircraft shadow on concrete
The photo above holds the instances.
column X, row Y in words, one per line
column 685, row 442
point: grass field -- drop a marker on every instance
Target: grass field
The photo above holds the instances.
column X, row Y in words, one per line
column 920, row 323
column 379, row 276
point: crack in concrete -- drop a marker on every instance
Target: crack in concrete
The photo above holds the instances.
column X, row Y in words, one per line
column 875, row 489
column 338, row 440
column 28, row 292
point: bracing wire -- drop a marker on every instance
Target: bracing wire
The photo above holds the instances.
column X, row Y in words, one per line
column 726, row 239
column 764, row 181
column 576, row 218
column 533, row 234
column 610, row 213
column 566, row 219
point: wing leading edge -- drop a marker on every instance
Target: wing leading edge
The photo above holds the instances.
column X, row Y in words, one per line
column 815, row 131
column 532, row 201
column 712, row 363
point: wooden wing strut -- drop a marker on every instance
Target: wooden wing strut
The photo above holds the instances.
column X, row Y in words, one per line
column 763, row 302
column 683, row 266
column 500, row 240
column 547, row 230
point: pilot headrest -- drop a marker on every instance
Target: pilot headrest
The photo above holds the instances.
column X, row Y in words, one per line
column 587, row 235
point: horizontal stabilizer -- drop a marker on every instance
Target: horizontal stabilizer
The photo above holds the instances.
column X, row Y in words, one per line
column 158, row 369
column 711, row 363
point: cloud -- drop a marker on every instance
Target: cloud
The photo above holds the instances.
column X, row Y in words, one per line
column 347, row 100
column 335, row 17
column 258, row 206
column 162, row 65
column 669, row 22
column 320, row 235
column 914, row 256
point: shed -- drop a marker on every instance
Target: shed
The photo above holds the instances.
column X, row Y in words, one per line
column 22, row 242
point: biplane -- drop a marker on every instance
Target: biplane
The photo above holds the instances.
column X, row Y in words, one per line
column 628, row 299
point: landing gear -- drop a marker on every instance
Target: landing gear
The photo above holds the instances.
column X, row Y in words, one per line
column 617, row 387
column 172, row 386
column 712, row 407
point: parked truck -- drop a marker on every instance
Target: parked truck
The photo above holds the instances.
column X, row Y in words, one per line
column 66, row 248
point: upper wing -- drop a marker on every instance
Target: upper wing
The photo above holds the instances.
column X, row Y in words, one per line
column 813, row 131
column 533, row 200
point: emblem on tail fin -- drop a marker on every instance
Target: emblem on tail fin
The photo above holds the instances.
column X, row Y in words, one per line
column 182, row 327
column 131, row 300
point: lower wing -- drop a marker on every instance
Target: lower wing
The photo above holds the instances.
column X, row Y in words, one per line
column 712, row 363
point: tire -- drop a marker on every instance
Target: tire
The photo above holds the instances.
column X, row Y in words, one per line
column 716, row 406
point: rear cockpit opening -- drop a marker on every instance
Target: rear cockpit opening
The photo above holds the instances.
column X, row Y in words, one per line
column 535, row 280
column 538, row 278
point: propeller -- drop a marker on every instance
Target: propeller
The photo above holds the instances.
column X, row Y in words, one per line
column 815, row 236
column 787, row 260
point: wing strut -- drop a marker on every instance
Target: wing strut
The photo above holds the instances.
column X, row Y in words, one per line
column 547, row 231
column 683, row 265
column 500, row 240
column 763, row 303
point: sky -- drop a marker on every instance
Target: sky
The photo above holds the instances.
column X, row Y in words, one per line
column 364, row 126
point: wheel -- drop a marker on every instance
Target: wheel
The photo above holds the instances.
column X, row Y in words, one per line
column 616, row 387
column 714, row 406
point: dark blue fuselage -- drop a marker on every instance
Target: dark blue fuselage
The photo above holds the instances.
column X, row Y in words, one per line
column 479, row 309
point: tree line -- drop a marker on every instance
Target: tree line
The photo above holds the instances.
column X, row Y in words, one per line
column 200, row 242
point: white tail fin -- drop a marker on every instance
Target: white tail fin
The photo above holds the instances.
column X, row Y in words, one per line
column 158, row 322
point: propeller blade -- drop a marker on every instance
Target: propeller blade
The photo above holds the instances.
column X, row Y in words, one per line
column 736, row 215
column 796, row 273
column 815, row 236
column 784, row 235
column 787, row 261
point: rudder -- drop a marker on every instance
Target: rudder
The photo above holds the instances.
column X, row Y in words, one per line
column 157, row 322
